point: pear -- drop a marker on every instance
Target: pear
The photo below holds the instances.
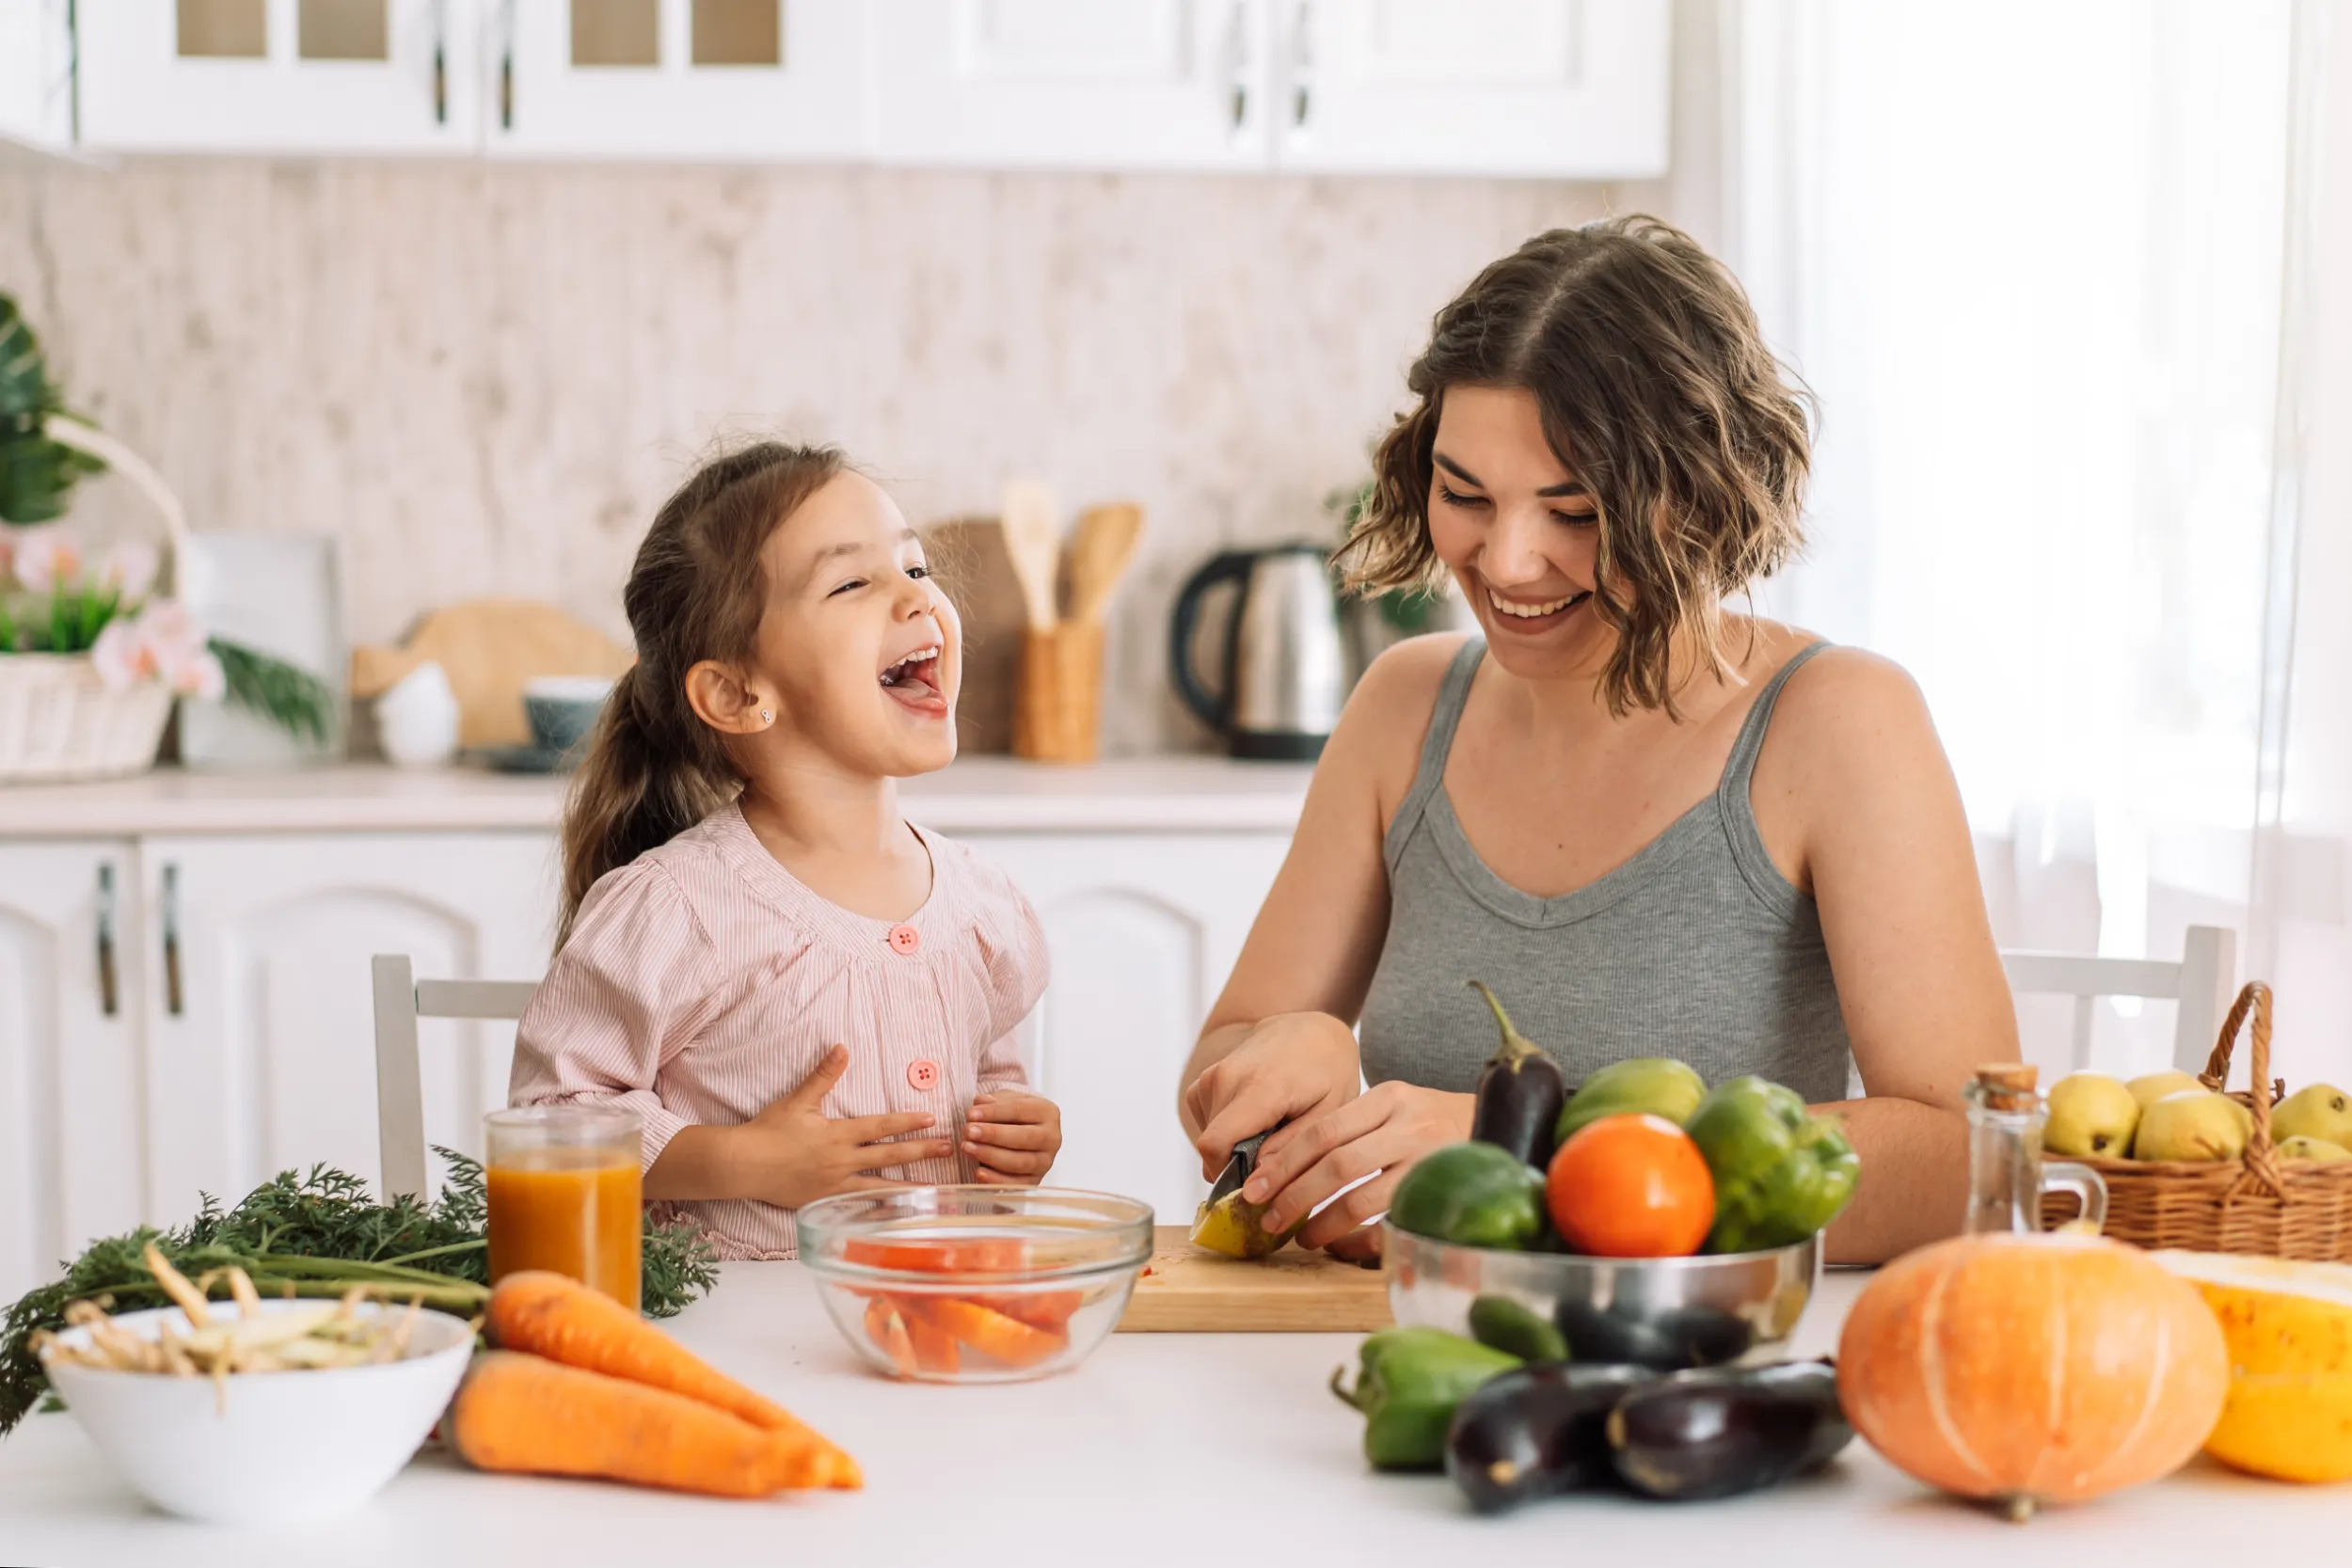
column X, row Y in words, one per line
column 2319, row 1111
column 2303, row 1147
column 1237, row 1227
column 2156, row 1086
column 2091, row 1114
column 2198, row 1125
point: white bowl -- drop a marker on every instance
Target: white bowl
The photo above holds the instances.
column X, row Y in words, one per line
column 569, row 689
column 292, row 1445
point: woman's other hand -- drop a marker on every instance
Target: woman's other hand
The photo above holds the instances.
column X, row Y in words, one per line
column 1378, row 1133
column 1285, row 1068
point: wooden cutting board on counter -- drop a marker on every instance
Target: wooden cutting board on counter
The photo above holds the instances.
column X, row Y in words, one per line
column 1191, row 1292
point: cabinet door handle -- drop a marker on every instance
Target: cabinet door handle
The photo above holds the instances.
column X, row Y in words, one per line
column 1302, row 63
column 171, row 941
column 108, row 998
column 1237, row 60
column 440, row 62
column 506, row 66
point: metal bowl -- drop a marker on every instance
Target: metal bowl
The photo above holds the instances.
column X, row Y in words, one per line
column 1664, row 1312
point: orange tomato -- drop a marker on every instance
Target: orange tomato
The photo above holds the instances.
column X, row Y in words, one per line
column 1631, row 1186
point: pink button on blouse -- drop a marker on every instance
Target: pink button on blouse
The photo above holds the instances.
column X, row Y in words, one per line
column 703, row 981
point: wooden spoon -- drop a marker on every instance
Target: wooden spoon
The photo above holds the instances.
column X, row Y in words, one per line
column 1034, row 542
column 1105, row 542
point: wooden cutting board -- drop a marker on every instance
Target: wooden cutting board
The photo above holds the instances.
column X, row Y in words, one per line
column 968, row 553
column 1191, row 1292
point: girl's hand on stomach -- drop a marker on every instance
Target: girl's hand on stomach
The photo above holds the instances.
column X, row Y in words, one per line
column 1013, row 1137
column 792, row 1153
column 1382, row 1131
column 1289, row 1065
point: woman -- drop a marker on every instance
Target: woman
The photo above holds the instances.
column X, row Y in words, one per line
column 1656, row 827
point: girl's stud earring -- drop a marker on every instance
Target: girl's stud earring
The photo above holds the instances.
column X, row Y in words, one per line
column 766, row 717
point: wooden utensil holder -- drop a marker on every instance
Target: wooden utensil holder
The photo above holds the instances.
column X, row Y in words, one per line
column 1060, row 710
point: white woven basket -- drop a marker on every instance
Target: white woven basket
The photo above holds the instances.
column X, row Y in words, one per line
column 57, row 720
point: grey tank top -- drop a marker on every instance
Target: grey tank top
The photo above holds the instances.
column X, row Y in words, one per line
column 1697, row 947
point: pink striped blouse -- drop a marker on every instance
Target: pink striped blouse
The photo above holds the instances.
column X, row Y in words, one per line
column 703, row 981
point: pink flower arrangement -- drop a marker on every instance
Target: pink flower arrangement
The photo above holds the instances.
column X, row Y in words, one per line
column 160, row 642
column 48, row 561
column 66, row 608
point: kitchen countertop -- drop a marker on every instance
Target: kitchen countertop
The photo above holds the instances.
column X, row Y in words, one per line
column 1169, row 794
column 1161, row 1449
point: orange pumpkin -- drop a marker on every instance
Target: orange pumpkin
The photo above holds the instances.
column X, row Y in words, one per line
column 2026, row 1370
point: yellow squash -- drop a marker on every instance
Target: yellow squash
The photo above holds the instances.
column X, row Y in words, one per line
column 2289, row 1330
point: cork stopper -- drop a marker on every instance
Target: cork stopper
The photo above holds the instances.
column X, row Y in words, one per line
column 2007, row 1085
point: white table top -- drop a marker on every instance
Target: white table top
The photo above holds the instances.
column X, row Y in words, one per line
column 1165, row 794
column 1161, row 1449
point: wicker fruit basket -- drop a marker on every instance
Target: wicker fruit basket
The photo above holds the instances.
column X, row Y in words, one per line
column 2258, row 1204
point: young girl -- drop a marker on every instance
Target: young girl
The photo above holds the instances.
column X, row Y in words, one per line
column 799, row 990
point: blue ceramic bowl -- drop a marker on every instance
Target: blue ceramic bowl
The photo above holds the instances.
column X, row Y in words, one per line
column 561, row 709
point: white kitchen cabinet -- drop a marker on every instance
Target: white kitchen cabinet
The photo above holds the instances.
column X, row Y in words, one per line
column 259, row 1040
column 71, row 1110
column 312, row 76
column 676, row 79
column 1143, row 929
column 1562, row 89
column 1027, row 84
column 37, row 73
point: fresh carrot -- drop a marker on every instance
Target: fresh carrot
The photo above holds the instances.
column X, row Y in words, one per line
column 552, row 1315
column 935, row 1349
column 991, row 1333
column 929, row 1254
column 886, row 1328
column 521, row 1413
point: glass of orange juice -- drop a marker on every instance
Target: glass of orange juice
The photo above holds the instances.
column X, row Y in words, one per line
column 567, row 1193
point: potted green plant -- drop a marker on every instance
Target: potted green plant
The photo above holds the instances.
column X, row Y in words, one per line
column 91, row 654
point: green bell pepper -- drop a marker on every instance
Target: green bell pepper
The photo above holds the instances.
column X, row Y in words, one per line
column 1410, row 1381
column 1781, row 1173
column 1471, row 1194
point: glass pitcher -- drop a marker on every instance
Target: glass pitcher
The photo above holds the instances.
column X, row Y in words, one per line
column 2007, row 1178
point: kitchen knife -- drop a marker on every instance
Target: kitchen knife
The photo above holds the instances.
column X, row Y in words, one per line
column 1237, row 1169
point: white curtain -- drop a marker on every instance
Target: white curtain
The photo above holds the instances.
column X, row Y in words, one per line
column 2029, row 255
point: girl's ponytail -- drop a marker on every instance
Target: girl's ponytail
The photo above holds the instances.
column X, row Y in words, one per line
column 635, row 791
column 654, row 768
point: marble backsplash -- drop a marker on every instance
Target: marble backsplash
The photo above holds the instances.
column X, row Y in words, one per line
column 484, row 378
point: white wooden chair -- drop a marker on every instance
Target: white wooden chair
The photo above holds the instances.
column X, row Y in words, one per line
column 401, row 999
column 2205, row 982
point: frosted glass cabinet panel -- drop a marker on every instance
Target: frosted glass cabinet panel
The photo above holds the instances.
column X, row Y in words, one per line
column 755, row 80
column 309, row 76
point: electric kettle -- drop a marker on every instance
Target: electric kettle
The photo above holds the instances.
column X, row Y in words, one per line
column 1284, row 668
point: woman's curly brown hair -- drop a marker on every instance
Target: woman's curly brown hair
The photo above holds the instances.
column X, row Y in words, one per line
column 1658, row 391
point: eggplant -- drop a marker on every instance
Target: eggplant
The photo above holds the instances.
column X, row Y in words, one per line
column 1520, row 1094
column 1536, row 1433
column 1668, row 1340
column 1723, row 1431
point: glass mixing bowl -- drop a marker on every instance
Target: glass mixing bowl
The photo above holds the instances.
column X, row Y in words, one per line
column 975, row 1284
